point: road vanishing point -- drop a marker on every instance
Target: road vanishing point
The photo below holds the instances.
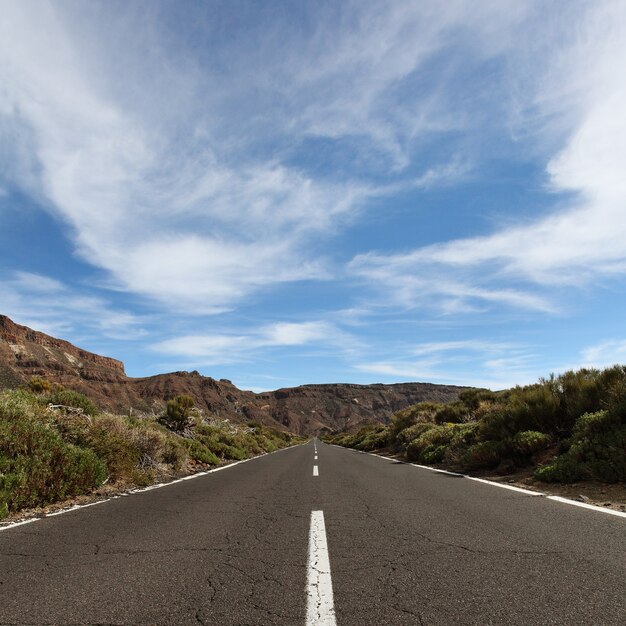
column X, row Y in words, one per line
column 317, row 534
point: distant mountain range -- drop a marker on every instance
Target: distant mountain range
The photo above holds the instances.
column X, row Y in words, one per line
column 307, row 409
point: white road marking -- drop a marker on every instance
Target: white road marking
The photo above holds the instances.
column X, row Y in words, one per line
column 315, row 471
column 583, row 505
column 320, row 610
column 315, row 458
column 493, row 483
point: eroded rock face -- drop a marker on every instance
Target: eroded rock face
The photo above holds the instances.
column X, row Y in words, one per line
column 308, row 409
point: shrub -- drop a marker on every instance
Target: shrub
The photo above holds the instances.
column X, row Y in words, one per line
column 200, row 452
column 463, row 436
column 36, row 466
column 430, row 446
column 39, row 385
column 563, row 470
column 110, row 437
column 472, row 399
column 150, row 443
column 174, row 453
column 424, row 412
column 374, row 440
column 484, row 455
column 453, row 413
column 404, row 437
column 68, row 397
column 178, row 413
column 597, row 451
column 529, row 442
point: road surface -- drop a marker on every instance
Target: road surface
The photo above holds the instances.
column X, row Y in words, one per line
column 306, row 537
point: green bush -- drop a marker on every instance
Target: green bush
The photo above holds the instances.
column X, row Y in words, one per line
column 68, row 397
column 36, row 466
column 529, row 442
column 484, row 455
column 562, row 470
column 453, row 413
column 404, row 437
column 463, row 436
column 424, row 412
column 430, row 446
column 597, row 451
column 581, row 413
column 200, row 452
column 111, row 440
column 178, row 413
column 47, row 455
column 174, row 453
column 374, row 439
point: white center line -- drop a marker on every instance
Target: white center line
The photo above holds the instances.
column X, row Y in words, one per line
column 315, row 471
column 320, row 610
column 315, row 458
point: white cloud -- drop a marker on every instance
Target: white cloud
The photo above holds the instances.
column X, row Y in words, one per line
column 585, row 238
column 410, row 283
column 605, row 354
column 152, row 157
column 438, row 347
column 49, row 306
column 160, row 212
column 229, row 348
column 364, row 55
column 495, row 365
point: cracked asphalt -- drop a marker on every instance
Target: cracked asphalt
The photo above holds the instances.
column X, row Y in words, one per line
column 407, row 546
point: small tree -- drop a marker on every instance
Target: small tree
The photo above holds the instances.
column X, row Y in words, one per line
column 178, row 412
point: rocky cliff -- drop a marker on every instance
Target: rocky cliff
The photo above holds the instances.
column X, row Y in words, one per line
column 25, row 353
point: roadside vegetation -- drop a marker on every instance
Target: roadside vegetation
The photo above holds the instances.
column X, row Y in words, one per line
column 55, row 444
column 569, row 428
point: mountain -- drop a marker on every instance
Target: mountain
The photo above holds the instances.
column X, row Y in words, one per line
column 307, row 409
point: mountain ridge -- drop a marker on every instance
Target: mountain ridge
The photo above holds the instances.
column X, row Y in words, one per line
column 306, row 409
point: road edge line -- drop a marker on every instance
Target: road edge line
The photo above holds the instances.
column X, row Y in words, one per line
column 493, row 483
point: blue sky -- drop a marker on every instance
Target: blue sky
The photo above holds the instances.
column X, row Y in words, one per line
column 296, row 192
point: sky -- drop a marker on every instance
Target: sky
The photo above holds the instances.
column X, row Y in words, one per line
column 291, row 192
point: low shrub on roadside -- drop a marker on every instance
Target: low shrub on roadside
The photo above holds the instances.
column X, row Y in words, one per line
column 597, row 450
column 36, row 465
column 484, row 455
column 578, row 415
column 431, row 445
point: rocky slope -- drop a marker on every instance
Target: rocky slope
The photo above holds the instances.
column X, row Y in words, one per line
column 25, row 353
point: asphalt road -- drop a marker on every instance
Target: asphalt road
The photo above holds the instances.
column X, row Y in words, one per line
column 405, row 546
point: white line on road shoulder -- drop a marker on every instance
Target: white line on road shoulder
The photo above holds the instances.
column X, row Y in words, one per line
column 320, row 610
column 493, row 483
column 583, row 505
column 316, row 471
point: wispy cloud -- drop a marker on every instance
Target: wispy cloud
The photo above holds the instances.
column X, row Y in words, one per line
column 496, row 365
column 50, row 306
column 185, row 208
column 604, row 354
column 234, row 347
column 585, row 238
